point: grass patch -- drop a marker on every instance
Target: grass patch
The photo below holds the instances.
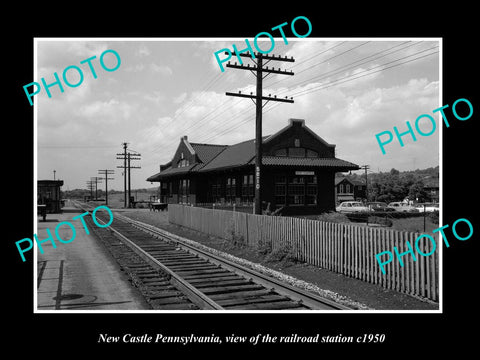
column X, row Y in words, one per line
column 414, row 224
column 333, row 216
column 284, row 256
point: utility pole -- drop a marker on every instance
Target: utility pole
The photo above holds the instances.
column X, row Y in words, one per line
column 106, row 173
column 124, row 154
column 96, row 179
column 54, row 171
column 258, row 69
column 366, row 167
column 90, row 187
column 127, row 156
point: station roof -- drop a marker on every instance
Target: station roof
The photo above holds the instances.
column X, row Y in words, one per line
column 221, row 157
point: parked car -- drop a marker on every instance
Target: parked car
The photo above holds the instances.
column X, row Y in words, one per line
column 427, row 207
column 379, row 206
column 402, row 207
column 351, row 206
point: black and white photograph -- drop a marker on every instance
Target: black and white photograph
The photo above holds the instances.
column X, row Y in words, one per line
column 181, row 132
column 263, row 182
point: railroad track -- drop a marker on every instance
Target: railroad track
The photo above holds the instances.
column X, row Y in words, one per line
column 173, row 274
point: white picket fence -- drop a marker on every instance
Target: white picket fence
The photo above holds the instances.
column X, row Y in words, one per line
column 343, row 248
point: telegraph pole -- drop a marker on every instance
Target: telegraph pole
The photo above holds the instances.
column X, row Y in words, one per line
column 127, row 156
column 124, row 154
column 258, row 71
column 96, row 180
column 366, row 167
column 106, row 173
column 134, row 156
column 90, row 187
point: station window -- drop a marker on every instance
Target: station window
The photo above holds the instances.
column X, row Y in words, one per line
column 296, row 190
column 311, row 197
column 217, row 191
column 247, row 189
column 230, row 190
column 184, row 191
column 296, row 152
column 183, row 163
column 280, row 190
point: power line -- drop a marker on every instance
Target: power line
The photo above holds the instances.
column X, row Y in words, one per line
column 201, row 122
column 325, row 60
column 350, row 65
column 205, row 118
column 127, row 157
column 336, row 70
column 315, row 55
column 65, row 146
column 106, row 172
column 334, row 82
column 370, row 72
column 190, row 104
column 305, row 92
column 258, row 70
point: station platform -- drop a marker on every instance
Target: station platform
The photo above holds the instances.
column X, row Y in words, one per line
column 80, row 275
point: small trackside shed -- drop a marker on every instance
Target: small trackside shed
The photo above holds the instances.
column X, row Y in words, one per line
column 49, row 194
column 298, row 172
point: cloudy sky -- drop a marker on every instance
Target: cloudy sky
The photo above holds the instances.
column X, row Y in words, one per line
column 347, row 90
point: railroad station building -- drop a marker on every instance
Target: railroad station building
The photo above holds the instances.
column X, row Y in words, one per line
column 298, row 173
column 347, row 189
column 49, row 193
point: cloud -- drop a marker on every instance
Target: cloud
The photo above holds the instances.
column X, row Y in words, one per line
column 180, row 98
column 137, row 68
column 140, row 67
column 162, row 69
column 350, row 120
column 59, row 54
column 142, row 51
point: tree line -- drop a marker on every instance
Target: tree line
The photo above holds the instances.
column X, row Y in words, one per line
column 397, row 186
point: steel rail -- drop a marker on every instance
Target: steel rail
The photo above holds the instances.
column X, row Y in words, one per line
column 310, row 300
column 195, row 295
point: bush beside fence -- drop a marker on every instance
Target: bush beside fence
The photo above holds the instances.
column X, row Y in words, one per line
column 343, row 248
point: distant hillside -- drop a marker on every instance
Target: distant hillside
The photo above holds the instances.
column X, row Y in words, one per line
column 80, row 193
column 397, row 185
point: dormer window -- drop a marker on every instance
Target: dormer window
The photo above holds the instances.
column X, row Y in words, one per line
column 281, row 152
column 296, row 152
column 183, row 163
